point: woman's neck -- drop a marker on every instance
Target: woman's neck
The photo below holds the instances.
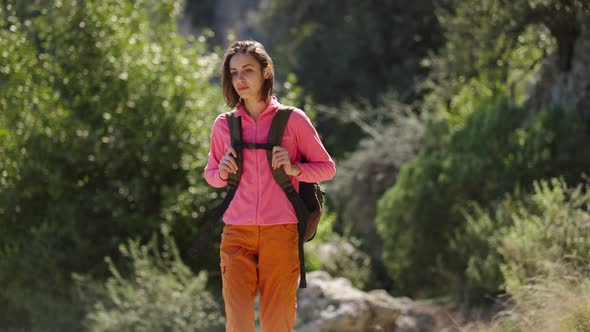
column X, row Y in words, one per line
column 255, row 108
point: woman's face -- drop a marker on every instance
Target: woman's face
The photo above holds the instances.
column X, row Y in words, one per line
column 246, row 76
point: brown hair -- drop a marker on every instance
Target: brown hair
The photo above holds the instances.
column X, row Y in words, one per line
column 259, row 53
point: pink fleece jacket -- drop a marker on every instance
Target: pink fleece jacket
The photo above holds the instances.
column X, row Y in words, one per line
column 259, row 200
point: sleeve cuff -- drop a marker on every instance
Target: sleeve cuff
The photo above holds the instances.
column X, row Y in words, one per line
column 219, row 182
column 302, row 168
column 220, row 178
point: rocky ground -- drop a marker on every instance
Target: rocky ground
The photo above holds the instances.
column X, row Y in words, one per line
column 334, row 305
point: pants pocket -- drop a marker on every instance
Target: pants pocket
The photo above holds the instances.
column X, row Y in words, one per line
column 291, row 228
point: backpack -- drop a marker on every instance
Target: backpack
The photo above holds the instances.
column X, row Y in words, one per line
column 308, row 203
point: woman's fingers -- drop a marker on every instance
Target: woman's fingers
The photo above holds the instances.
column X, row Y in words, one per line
column 232, row 151
column 228, row 161
column 280, row 157
column 227, row 165
column 233, row 163
column 275, row 151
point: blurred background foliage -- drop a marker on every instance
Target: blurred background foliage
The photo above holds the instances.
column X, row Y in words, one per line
column 460, row 129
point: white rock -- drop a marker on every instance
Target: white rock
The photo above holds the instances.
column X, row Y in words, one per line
column 334, row 305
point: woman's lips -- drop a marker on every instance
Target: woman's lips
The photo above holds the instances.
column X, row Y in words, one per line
column 242, row 88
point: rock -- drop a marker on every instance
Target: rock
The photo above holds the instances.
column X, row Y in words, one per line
column 414, row 323
column 334, row 305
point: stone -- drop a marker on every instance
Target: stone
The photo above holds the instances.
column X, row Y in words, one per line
column 334, row 305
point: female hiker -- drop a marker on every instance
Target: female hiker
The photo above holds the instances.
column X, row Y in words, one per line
column 259, row 245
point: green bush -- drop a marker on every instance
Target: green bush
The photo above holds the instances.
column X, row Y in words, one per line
column 499, row 148
column 105, row 116
column 553, row 229
column 159, row 293
column 512, row 241
column 557, row 300
column 536, row 247
column 478, row 242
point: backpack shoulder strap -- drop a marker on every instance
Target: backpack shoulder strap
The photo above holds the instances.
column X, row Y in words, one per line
column 235, row 130
column 275, row 137
column 279, row 123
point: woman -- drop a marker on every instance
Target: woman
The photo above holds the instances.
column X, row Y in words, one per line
column 259, row 246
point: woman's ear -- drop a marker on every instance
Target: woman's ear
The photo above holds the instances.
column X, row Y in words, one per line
column 268, row 71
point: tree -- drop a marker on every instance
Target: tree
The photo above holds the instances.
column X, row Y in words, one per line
column 493, row 47
column 104, row 124
column 357, row 51
column 349, row 51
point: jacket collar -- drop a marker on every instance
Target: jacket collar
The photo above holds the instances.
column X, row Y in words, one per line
column 272, row 106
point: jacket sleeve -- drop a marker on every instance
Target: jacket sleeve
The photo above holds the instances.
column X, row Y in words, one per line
column 216, row 151
column 318, row 166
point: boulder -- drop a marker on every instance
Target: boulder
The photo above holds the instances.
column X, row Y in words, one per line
column 334, row 305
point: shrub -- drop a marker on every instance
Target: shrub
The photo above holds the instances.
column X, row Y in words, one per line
column 500, row 147
column 536, row 247
column 159, row 293
column 478, row 242
column 512, row 240
column 553, row 228
column 558, row 300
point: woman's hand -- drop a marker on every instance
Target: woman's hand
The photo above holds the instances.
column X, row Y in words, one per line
column 228, row 163
column 280, row 157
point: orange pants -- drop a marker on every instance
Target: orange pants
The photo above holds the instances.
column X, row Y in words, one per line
column 263, row 259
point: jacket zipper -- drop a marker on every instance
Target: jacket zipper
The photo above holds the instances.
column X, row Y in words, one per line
column 257, row 174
